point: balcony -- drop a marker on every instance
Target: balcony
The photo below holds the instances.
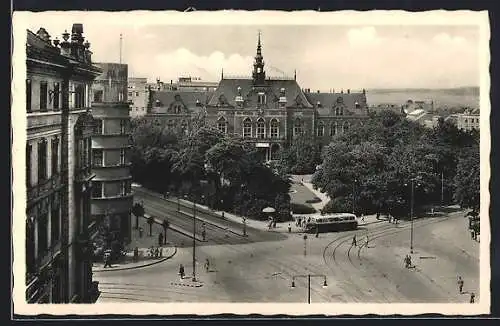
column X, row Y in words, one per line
column 48, row 256
column 44, row 188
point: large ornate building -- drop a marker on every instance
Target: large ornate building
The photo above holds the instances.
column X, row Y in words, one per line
column 58, row 167
column 269, row 112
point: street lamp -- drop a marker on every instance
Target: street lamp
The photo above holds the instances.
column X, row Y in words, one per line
column 309, row 276
column 305, row 244
column 354, row 195
column 412, row 201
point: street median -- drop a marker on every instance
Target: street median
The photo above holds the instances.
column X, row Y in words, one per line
column 174, row 228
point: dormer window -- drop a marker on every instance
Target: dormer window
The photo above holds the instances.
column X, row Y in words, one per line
column 356, row 104
column 262, row 98
column 319, row 104
column 157, row 103
column 198, row 103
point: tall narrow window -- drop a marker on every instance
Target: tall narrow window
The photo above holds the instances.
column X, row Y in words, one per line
column 262, row 98
column 321, row 129
column 222, row 125
column 98, row 126
column 55, row 219
column 297, row 128
column 123, row 126
column 261, row 129
column 247, row 128
column 274, row 128
column 55, row 155
column 42, row 242
column 42, row 160
column 28, row 95
column 333, row 130
column 97, row 157
column 97, row 189
column 122, row 156
column 43, row 96
column 79, row 96
column 55, row 95
column 29, row 164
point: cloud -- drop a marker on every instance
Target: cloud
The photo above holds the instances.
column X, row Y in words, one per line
column 446, row 39
column 363, row 36
column 182, row 62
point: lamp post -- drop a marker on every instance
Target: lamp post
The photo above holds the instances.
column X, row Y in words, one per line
column 309, row 276
column 412, row 202
column 305, row 245
column 354, row 195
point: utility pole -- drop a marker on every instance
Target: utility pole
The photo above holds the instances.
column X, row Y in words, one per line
column 442, row 188
column 411, row 214
column 194, row 240
column 120, row 48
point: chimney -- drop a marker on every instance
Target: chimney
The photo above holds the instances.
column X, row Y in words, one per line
column 348, row 91
column 318, row 91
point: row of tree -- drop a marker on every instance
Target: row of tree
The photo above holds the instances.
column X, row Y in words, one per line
column 222, row 171
column 373, row 166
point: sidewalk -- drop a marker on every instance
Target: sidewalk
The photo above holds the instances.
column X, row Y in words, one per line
column 143, row 244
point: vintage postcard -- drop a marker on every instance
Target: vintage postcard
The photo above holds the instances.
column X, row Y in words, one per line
column 240, row 162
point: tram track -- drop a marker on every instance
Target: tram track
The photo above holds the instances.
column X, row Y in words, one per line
column 379, row 232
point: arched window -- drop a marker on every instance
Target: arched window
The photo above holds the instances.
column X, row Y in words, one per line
column 247, row 128
column 345, row 127
column 333, row 128
column 222, row 125
column 321, row 129
column 275, row 128
column 261, row 129
column 297, row 128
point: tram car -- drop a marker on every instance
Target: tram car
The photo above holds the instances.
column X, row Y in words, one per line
column 331, row 222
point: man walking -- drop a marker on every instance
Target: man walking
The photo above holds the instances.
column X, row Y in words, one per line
column 354, row 242
column 460, row 284
column 107, row 258
column 181, row 271
column 160, row 239
column 472, row 297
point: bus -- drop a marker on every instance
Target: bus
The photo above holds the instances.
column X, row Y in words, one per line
column 330, row 222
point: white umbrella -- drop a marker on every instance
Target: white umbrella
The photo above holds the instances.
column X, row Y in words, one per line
column 268, row 210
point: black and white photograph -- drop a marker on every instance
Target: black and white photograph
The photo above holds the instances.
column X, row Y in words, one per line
column 251, row 162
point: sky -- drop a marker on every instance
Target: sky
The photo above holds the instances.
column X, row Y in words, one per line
column 325, row 56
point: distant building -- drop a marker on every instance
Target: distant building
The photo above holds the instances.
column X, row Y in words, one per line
column 268, row 112
column 468, row 120
column 111, row 188
column 137, row 96
column 58, row 174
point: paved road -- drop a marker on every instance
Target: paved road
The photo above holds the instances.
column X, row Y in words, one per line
column 262, row 271
column 161, row 208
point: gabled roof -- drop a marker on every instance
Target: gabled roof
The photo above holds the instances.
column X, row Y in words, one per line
column 191, row 100
column 229, row 89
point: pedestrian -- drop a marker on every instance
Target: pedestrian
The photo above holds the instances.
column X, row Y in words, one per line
column 317, row 231
column 289, row 227
column 181, row 271
column 460, row 283
column 107, row 259
column 354, row 243
column 472, row 297
column 367, row 239
column 160, row 239
column 207, row 265
column 378, row 215
column 136, row 254
column 472, row 234
column 362, row 217
column 161, row 252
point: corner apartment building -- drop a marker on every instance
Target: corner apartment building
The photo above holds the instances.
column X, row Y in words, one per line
column 58, row 175
column 111, row 188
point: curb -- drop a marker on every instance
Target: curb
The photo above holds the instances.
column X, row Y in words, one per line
column 187, row 285
column 140, row 266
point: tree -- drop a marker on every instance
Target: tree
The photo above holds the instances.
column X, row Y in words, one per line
column 151, row 222
column 467, row 179
column 302, row 156
column 138, row 211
